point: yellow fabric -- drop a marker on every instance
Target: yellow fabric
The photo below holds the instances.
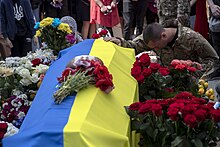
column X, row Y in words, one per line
column 98, row 119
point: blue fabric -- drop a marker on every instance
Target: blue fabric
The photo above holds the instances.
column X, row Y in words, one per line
column 44, row 123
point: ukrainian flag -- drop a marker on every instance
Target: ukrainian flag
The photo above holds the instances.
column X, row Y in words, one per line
column 90, row 118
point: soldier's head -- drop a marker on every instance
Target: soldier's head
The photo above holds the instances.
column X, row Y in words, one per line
column 155, row 36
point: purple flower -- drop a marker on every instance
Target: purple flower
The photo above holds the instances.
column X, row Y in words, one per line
column 56, row 4
column 70, row 38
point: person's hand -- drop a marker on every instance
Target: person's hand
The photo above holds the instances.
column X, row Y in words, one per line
column 113, row 39
column 113, row 4
column 104, row 9
column 8, row 43
column 35, row 41
column 182, row 18
column 215, row 10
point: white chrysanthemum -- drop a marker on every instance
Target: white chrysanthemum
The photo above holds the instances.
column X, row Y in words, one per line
column 23, row 96
column 25, row 82
column 24, row 73
column 21, row 115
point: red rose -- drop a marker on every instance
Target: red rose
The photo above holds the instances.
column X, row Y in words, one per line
column 175, row 62
column 102, row 72
column 199, row 100
column 191, row 69
column 103, row 32
column 95, row 36
column 152, row 101
column 136, row 63
column 156, row 109
column 144, row 60
column 186, row 110
column 190, row 120
column 145, row 108
column 135, row 71
column 173, row 113
column 164, row 71
column 140, row 78
column 200, row 115
column 184, row 95
column 135, row 106
column 147, row 72
column 36, row 62
column 154, row 66
column 180, row 67
column 216, row 115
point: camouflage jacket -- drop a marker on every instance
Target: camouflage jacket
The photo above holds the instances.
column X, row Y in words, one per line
column 169, row 10
column 189, row 45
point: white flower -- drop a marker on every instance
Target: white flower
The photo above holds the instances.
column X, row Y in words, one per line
column 42, row 68
column 24, row 73
column 16, row 92
column 34, row 78
column 25, row 82
column 21, row 115
column 11, row 130
column 28, row 64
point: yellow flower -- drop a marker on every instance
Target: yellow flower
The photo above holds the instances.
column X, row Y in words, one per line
column 61, row 27
column 212, row 97
column 46, row 22
column 201, row 82
column 200, row 86
column 38, row 33
column 206, row 84
column 39, row 83
column 211, row 90
column 201, row 91
column 208, row 93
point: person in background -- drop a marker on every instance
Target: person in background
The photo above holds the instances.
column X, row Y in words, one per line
column 133, row 13
column 174, row 43
column 5, row 50
column 72, row 23
column 171, row 12
column 83, row 14
column 214, row 26
column 104, row 13
column 56, row 8
column 192, row 13
column 17, row 26
column 151, row 14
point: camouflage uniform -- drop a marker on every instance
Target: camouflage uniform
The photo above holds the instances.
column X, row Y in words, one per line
column 169, row 10
column 188, row 46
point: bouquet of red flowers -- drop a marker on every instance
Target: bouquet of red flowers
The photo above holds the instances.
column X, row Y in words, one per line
column 156, row 81
column 184, row 120
column 80, row 72
column 101, row 33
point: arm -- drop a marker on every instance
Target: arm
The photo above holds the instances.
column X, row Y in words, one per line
column 215, row 9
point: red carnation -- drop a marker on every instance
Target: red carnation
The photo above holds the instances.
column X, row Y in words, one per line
column 180, row 67
column 135, row 71
column 68, row 71
column 144, row 60
column 147, row 72
column 190, row 120
column 135, row 106
column 105, row 84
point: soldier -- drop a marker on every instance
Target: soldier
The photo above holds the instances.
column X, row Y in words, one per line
column 172, row 11
column 174, row 43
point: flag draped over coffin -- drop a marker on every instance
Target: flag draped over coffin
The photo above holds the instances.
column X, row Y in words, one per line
column 89, row 118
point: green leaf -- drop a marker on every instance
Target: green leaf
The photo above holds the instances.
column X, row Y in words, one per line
column 197, row 142
column 176, row 142
column 144, row 126
column 135, row 125
column 155, row 134
column 201, row 135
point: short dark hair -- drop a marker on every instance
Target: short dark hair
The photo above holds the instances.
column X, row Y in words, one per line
column 152, row 32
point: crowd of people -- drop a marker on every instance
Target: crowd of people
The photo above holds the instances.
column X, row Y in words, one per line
column 167, row 30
